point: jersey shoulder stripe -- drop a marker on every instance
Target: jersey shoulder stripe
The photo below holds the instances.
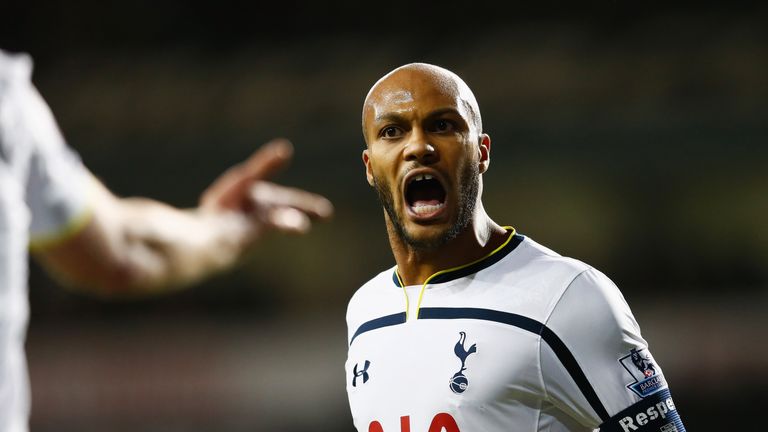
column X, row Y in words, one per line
column 385, row 321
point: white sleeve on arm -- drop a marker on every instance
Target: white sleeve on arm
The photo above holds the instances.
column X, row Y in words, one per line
column 57, row 183
column 597, row 367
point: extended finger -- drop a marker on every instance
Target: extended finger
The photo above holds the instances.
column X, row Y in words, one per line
column 265, row 194
column 229, row 189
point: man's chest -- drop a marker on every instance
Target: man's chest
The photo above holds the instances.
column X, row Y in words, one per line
column 443, row 374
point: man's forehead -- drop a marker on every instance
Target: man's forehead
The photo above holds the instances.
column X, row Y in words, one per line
column 416, row 82
column 412, row 91
column 395, row 97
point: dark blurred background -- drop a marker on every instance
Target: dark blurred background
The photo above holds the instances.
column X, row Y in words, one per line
column 632, row 136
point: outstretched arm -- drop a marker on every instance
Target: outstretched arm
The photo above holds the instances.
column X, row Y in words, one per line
column 138, row 246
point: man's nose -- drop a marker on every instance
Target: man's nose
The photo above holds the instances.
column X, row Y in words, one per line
column 419, row 149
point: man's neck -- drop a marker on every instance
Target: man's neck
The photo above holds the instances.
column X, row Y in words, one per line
column 416, row 265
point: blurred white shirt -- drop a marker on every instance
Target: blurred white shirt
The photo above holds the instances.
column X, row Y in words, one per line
column 43, row 197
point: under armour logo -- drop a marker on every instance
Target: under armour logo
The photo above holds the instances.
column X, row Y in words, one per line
column 363, row 373
column 459, row 381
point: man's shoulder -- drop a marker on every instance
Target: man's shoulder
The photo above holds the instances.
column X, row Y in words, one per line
column 378, row 297
column 565, row 274
column 535, row 259
column 379, row 282
column 528, row 281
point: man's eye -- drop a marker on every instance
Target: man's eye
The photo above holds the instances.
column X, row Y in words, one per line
column 443, row 126
column 390, row 132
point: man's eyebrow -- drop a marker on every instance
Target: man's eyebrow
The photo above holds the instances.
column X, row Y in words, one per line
column 389, row 117
column 397, row 118
column 440, row 111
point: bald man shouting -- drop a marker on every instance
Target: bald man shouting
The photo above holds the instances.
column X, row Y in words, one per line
column 478, row 328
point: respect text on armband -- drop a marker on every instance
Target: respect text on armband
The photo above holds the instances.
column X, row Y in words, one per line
column 659, row 411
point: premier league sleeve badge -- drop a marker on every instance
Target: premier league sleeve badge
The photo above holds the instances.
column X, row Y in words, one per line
column 647, row 376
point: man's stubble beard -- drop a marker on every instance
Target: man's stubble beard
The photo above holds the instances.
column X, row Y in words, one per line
column 469, row 187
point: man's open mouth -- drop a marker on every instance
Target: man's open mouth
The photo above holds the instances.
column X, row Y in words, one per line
column 425, row 195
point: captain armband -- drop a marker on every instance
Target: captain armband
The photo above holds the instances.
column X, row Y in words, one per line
column 655, row 413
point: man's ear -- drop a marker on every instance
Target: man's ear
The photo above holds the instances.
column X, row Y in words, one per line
column 484, row 147
column 367, row 163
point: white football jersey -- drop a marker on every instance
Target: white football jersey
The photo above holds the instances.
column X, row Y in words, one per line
column 521, row 340
column 42, row 197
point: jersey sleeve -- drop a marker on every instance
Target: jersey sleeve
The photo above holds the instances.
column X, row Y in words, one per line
column 57, row 183
column 597, row 368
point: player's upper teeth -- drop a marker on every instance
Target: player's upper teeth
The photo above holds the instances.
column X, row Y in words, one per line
column 421, row 177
